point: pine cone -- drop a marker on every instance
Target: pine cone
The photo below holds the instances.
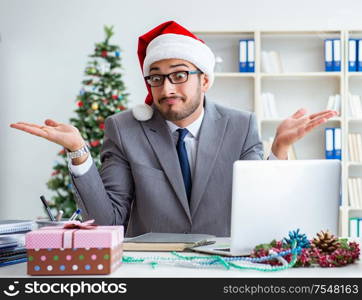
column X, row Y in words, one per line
column 325, row 241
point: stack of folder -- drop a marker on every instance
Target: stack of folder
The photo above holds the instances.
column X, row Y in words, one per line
column 12, row 236
column 160, row 241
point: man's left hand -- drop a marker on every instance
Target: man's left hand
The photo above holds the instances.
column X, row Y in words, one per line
column 295, row 127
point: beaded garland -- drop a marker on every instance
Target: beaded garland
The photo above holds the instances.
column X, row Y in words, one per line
column 296, row 241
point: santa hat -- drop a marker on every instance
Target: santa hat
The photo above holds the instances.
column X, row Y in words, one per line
column 171, row 40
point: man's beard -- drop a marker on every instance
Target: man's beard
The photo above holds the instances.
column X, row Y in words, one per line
column 187, row 110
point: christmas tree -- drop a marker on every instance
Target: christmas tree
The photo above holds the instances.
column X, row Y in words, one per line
column 102, row 94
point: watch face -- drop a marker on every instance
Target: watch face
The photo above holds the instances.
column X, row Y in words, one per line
column 78, row 153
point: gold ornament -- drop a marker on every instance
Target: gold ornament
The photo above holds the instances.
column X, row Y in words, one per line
column 95, row 106
column 325, row 241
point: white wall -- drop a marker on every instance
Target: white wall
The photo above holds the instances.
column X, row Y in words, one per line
column 44, row 47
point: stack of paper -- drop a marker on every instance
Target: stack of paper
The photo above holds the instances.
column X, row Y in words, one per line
column 355, row 147
column 154, row 241
column 334, row 103
column 355, row 192
column 12, row 236
column 269, row 106
column 271, row 62
column 355, row 106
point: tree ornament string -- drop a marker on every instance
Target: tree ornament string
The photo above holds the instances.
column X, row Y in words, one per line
column 295, row 251
column 296, row 243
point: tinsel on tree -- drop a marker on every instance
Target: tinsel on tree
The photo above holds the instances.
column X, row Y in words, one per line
column 102, row 94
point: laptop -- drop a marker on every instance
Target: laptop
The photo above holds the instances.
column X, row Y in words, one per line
column 272, row 197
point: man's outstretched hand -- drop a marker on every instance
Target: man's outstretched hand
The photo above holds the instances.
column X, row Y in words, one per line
column 295, row 127
column 65, row 135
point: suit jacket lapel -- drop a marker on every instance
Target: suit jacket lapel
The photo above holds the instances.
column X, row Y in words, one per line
column 210, row 139
column 160, row 138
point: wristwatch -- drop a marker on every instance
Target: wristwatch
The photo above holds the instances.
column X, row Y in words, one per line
column 78, row 153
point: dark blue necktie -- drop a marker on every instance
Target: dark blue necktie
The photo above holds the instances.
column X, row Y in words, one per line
column 184, row 162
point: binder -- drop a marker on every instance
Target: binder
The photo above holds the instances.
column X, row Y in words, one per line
column 352, row 55
column 7, row 242
column 351, row 193
column 336, row 55
column 337, row 143
column 15, row 226
column 353, row 227
column 329, row 143
column 243, row 56
column 272, row 106
column 12, row 262
column 355, row 192
column 328, row 55
column 264, row 101
column 359, row 186
column 337, row 103
column 331, row 102
column 359, row 56
column 275, row 62
column 358, row 140
column 250, row 56
column 265, row 62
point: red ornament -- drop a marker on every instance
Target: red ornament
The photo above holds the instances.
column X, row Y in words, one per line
column 61, row 152
column 95, row 143
column 101, row 126
column 104, row 53
column 115, row 97
column 121, row 107
column 55, row 172
column 80, row 103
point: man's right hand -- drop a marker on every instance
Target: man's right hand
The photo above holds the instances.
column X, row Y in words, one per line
column 65, row 135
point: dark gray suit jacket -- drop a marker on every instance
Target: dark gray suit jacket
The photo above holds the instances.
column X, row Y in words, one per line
column 140, row 183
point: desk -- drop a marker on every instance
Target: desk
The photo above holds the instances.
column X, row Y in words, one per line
column 129, row 270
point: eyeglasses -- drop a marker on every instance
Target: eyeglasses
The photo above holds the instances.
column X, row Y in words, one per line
column 178, row 77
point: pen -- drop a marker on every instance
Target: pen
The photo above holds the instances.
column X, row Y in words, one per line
column 51, row 217
column 59, row 215
column 76, row 213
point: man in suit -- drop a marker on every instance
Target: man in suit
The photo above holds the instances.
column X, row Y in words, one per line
column 167, row 164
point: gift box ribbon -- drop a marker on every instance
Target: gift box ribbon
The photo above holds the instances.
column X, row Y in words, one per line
column 72, row 227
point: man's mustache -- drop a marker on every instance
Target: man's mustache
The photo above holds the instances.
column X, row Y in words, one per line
column 172, row 97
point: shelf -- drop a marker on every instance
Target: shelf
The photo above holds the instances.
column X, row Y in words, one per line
column 303, row 83
column 354, row 74
column 278, row 120
column 302, row 75
column 352, row 210
column 222, row 32
column 303, row 32
column 354, row 164
column 234, row 74
column 268, row 31
column 357, row 120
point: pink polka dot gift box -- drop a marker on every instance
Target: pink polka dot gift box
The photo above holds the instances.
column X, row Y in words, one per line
column 74, row 249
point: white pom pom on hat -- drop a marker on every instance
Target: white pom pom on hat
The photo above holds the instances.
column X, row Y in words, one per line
column 142, row 112
column 171, row 40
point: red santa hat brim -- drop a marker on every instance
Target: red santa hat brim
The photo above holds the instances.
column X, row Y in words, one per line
column 179, row 46
column 166, row 41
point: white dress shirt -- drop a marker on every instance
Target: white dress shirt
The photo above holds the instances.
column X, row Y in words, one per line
column 191, row 143
column 191, row 139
